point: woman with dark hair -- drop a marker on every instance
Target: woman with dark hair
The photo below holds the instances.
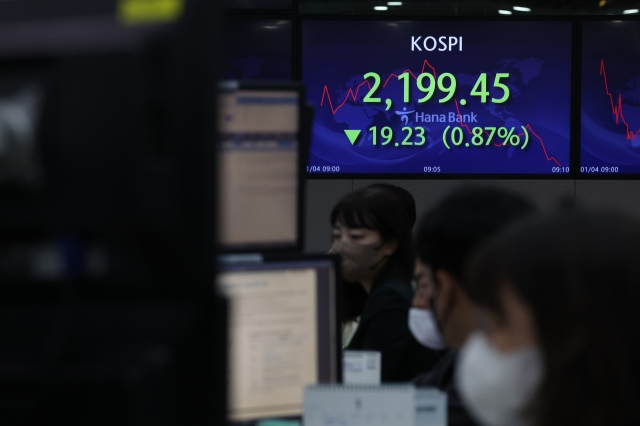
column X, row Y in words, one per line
column 404, row 197
column 354, row 296
column 372, row 233
column 559, row 341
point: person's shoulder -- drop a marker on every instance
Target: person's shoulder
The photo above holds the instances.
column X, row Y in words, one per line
column 391, row 286
column 392, row 294
column 441, row 376
column 389, row 294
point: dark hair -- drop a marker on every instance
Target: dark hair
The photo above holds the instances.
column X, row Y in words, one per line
column 578, row 272
column 378, row 209
column 450, row 231
column 404, row 196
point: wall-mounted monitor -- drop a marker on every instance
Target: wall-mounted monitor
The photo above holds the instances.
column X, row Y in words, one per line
column 443, row 98
column 258, row 49
column 610, row 98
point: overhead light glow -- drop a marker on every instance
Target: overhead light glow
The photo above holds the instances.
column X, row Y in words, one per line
column 381, row 8
column 602, row 3
column 521, row 9
column 394, row 3
column 504, row 12
column 270, row 27
column 630, row 11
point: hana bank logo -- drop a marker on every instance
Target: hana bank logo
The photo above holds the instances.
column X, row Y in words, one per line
column 404, row 115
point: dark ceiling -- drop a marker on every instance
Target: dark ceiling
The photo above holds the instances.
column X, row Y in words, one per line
column 469, row 7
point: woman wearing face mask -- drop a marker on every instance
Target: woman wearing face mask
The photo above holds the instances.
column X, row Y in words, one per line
column 372, row 234
column 354, row 296
column 559, row 340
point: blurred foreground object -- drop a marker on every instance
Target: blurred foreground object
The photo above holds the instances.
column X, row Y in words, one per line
column 107, row 213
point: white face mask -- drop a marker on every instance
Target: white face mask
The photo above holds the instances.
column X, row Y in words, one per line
column 423, row 326
column 497, row 387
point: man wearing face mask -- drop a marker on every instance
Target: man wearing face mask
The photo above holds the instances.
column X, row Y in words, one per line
column 421, row 320
column 558, row 341
column 445, row 239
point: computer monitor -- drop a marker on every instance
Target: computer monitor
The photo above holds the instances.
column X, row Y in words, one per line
column 283, row 333
column 260, row 167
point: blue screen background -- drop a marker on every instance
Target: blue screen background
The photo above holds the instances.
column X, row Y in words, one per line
column 612, row 47
column 337, row 54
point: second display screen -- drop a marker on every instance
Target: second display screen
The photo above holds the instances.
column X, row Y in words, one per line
column 610, row 112
column 438, row 97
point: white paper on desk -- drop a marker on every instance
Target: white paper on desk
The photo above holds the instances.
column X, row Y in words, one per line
column 431, row 407
column 335, row 405
column 361, row 367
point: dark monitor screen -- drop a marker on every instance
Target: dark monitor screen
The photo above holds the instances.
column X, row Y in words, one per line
column 258, row 49
column 283, row 334
column 610, row 98
column 259, row 168
column 458, row 97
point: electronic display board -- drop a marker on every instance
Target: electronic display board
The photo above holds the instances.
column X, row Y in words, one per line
column 610, row 98
column 445, row 97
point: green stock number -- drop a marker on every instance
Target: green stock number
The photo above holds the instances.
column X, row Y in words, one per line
column 445, row 83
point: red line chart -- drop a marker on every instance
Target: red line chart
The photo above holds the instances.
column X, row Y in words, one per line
column 616, row 107
column 528, row 126
column 354, row 95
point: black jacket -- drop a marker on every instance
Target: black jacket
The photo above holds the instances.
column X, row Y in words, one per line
column 442, row 377
column 384, row 327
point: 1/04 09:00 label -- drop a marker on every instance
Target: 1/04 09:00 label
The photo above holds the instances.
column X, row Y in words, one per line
column 604, row 169
column 316, row 169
